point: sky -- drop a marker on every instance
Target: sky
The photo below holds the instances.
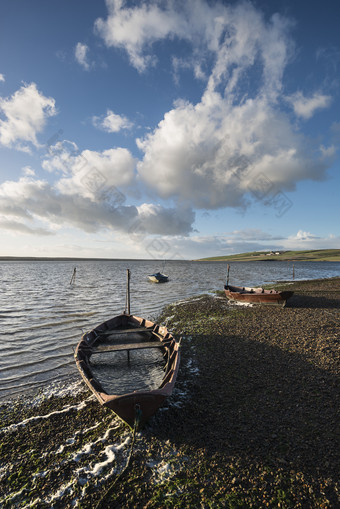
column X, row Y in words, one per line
column 168, row 129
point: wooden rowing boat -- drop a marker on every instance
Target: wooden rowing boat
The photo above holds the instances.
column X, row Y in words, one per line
column 257, row 295
column 128, row 333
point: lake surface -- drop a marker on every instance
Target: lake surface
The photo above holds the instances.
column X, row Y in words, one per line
column 43, row 316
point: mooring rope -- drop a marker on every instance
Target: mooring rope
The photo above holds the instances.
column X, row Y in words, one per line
column 138, row 414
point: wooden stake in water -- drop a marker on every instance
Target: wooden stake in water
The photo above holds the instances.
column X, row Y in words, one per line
column 127, row 302
column 73, row 278
column 228, row 268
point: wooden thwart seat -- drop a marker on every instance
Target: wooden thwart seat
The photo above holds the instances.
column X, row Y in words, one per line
column 126, row 331
column 131, row 346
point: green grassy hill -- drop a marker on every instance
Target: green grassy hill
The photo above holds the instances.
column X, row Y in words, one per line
column 317, row 255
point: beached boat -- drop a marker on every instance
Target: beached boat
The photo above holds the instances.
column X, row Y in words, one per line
column 158, row 277
column 127, row 333
column 257, row 295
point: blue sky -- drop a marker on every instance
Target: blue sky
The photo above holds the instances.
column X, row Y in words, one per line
column 168, row 129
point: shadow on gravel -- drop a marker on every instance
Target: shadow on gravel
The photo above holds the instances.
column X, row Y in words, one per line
column 255, row 401
column 315, row 302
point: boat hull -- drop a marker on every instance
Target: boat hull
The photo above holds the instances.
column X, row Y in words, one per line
column 257, row 295
column 158, row 278
column 138, row 406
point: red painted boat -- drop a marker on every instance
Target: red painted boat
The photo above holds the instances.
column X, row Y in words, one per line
column 257, row 295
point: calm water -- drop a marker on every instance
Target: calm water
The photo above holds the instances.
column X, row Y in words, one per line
column 42, row 316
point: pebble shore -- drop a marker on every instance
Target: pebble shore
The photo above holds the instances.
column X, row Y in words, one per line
column 253, row 420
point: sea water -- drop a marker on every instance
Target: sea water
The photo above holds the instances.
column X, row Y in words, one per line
column 42, row 315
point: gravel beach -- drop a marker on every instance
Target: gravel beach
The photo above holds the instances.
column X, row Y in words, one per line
column 253, row 421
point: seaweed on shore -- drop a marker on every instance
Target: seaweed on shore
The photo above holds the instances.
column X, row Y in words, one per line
column 252, row 421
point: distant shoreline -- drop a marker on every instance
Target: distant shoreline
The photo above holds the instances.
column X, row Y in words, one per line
column 314, row 255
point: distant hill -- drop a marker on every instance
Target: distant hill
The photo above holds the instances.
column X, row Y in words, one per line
column 316, row 255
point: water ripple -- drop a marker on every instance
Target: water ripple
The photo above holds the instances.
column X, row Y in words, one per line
column 42, row 316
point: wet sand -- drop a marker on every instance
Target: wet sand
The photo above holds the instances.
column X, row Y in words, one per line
column 252, row 423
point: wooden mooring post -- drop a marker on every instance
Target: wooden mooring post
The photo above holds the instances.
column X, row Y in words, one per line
column 127, row 302
column 73, row 278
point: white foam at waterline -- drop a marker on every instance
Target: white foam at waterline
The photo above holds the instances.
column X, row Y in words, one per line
column 83, row 474
column 70, row 441
column 109, row 452
column 88, row 447
column 162, row 471
column 58, row 390
column 186, row 301
column 14, row 427
column 166, row 467
column 239, row 303
column 66, row 488
column 85, row 450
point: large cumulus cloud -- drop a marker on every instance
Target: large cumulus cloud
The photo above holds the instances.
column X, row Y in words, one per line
column 24, row 202
column 213, row 154
column 217, row 153
column 24, row 115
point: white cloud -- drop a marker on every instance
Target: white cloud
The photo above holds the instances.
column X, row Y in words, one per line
column 81, row 54
column 305, row 107
column 60, row 157
column 89, row 173
column 169, row 221
column 302, row 235
column 253, row 234
column 230, row 34
column 111, row 122
column 29, row 201
column 135, row 28
column 214, row 154
column 28, row 171
column 307, row 240
column 328, row 152
column 26, row 113
column 20, row 227
column 222, row 150
column 2, row 77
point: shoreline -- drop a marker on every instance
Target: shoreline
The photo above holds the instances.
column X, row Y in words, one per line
column 252, row 421
column 313, row 255
column 334, row 258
